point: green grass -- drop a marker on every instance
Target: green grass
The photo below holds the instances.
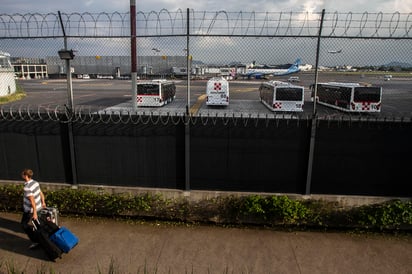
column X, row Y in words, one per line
column 18, row 95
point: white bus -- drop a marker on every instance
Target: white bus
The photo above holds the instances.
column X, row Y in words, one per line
column 282, row 96
column 350, row 97
column 217, row 92
column 155, row 93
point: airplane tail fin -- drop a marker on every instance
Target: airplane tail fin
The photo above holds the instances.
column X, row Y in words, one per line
column 295, row 66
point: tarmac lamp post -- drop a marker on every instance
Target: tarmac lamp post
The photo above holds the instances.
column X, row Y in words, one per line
column 68, row 55
column 155, row 51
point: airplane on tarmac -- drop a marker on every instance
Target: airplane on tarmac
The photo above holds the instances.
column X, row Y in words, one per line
column 259, row 73
column 334, row 51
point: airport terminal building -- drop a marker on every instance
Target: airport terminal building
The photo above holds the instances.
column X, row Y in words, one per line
column 116, row 66
column 29, row 68
column 119, row 67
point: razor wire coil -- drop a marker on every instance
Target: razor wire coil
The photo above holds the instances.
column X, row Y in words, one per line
column 204, row 23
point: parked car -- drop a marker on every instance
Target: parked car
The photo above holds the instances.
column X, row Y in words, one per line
column 293, row 79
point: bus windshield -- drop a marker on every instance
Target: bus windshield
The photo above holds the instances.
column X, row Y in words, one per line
column 148, row 89
column 289, row 94
column 367, row 94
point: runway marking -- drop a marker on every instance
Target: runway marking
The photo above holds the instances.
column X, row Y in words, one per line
column 96, row 85
column 57, row 83
column 53, row 82
column 88, row 95
column 195, row 108
column 246, row 90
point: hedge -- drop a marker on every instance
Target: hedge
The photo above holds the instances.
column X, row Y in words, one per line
column 274, row 211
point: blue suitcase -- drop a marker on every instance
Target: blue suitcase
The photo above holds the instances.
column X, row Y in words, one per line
column 64, row 239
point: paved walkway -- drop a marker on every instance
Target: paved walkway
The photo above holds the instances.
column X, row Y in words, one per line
column 109, row 246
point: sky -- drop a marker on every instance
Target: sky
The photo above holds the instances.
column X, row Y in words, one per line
column 46, row 6
column 352, row 54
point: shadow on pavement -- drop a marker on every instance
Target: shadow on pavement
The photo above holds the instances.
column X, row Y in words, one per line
column 10, row 225
column 12, row 242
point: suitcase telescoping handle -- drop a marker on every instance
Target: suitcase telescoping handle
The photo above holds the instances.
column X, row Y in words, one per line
column 35, row 224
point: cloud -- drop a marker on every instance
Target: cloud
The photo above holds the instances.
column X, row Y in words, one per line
column 359, row 6
column 224, row 49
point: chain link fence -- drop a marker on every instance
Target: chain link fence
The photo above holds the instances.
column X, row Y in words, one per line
column 367, row 49
column 355, row 69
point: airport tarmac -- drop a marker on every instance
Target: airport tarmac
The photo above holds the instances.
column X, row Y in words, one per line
column 104, row 94
column 114, row 246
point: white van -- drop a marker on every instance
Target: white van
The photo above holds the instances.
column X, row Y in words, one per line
column 217, row 92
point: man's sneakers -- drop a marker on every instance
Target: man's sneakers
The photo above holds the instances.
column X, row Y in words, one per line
column 34, row 246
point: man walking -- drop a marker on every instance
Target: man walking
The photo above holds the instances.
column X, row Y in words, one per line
column 33, row 202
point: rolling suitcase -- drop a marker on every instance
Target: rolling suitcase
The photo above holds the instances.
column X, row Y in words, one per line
column 64, row 239
column 43, row 231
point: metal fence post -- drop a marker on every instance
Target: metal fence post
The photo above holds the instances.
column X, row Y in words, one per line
column 314, row 114
column 133, row 52
column 187, row 116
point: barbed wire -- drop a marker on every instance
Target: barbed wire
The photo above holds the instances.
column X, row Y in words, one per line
column 203, row 23
column 83, row 115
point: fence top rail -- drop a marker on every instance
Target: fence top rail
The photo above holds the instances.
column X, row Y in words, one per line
column 214, row 23
column 90, row 115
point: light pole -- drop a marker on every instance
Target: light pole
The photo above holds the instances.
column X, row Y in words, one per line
column 186, row 50
column 68, row 55
column 155, row 50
